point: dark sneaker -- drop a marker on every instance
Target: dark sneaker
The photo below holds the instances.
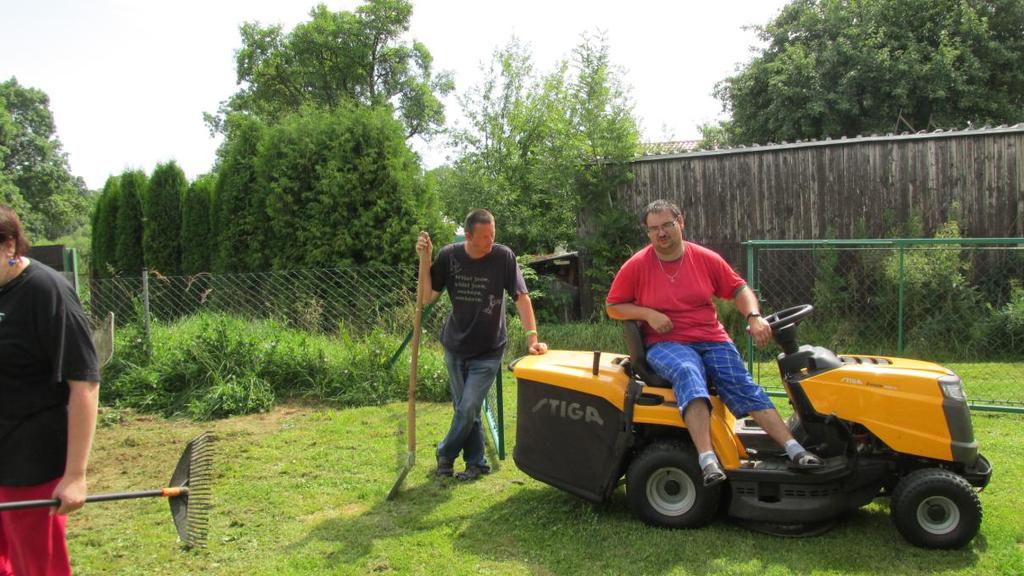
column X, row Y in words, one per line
column 445, row 468
column 806, row 461
column 713, row 474
column 473, row 472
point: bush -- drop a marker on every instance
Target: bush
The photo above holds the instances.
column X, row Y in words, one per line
column 161, row 229
column 238, row 215
column 197, row 237
column 232, row 395
column 213, row 366
column 342, row 187
column 604, row 335
column 104, row 229
column 956, row 301
column 939, row 304
column 1003, row 332
column 128, row 256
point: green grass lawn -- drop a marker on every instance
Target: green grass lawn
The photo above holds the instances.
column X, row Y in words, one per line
column 301, row 490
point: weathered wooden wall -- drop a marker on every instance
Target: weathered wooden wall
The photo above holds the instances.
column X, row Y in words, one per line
column 849, row 188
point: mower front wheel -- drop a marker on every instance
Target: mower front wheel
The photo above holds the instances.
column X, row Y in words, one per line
column 666, row 488
column 936, row 508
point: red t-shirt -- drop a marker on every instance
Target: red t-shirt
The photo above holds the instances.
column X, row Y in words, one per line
column 699, row 275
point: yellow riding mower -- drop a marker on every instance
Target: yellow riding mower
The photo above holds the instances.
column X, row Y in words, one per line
column 885, row 426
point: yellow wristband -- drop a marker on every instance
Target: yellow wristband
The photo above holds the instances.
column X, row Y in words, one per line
column 528, row 332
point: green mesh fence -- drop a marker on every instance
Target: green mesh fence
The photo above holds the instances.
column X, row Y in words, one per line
column 955, row 301
column 358, row 299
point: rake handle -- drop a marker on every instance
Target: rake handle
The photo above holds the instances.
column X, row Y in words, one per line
column 163, row 492
column 414, row 350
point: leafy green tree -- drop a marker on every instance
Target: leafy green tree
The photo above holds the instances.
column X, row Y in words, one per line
column 128, row 253
column 713, row 135
column 161, row 232
column 843, row 67
column 364, row 201
column 32, row 160
column 539, row 151
column 11, row 196
column 9, row 193
column 196, row 233
column 516, row 154
column 104, row 229
column 608, row 136
column 339, row 57
column 239, row 217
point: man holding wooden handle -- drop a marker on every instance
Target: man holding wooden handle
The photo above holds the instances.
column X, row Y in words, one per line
column 477, row 274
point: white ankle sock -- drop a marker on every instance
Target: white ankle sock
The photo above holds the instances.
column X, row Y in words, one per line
column 793, row 448
column 706, row 458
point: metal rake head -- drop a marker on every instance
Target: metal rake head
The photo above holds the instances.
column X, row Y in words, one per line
column 194, row 474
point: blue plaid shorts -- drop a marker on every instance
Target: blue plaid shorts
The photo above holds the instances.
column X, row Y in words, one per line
column 686, row 367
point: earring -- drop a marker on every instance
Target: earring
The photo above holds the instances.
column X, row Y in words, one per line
column 12, row 261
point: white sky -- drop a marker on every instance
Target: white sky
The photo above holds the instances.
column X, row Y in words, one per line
column 129, row 80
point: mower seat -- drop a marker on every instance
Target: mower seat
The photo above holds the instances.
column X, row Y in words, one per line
column 638, row 356
column 638, row 367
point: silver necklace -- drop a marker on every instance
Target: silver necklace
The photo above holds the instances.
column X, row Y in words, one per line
column 671, row 277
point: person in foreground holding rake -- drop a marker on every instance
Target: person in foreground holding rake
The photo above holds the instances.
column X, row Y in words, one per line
column 49, row 390
column 477, row 273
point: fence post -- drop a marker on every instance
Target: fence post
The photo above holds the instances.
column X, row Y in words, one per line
column 408, row 337
column 752, row 280
column 899, row 304
column 71, row 263
column 501, row 419
column 145, row 306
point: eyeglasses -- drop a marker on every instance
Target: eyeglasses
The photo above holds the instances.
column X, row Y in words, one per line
column 666, row 227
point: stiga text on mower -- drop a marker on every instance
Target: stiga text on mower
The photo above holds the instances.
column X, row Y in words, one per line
column 572, row 410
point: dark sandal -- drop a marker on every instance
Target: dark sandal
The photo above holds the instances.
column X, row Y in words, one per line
column 806, row 461
column 444, row 469
column 713, row 475
column 473, row 472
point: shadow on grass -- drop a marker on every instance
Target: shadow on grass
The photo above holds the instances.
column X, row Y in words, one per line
column 553, row 532
column 347, row 540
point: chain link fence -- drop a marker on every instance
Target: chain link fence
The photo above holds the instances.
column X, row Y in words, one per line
column 356, row 299
column 958, row 302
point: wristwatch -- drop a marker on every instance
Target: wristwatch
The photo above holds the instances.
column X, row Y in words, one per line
column 753, row 315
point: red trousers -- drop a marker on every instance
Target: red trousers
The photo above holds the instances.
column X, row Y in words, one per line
column 31, row 540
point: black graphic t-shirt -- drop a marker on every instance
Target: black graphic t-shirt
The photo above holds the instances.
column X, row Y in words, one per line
column 476, row 325
column 44, row 342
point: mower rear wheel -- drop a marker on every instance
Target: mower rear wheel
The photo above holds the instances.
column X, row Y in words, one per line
column 666, row 488
column 936, row 508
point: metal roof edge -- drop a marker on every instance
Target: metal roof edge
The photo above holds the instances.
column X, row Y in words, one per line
column 1016, row 128
column 883, row 242
column 550, row 257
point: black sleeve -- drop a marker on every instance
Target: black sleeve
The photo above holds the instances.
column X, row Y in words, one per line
column 514, row 282
column 67, row 337
column 80, row 361
column 439, row 270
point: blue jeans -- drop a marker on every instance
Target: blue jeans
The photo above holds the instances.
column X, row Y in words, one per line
column 469, row 379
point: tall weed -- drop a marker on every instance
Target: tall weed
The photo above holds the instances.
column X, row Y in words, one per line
column 213, row 366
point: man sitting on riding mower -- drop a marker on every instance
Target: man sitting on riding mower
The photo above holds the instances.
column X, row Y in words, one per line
column 669, row 285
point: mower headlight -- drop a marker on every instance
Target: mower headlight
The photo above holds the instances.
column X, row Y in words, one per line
column 952, row 388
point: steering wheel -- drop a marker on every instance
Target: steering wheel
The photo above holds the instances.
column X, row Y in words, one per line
column 792, row 315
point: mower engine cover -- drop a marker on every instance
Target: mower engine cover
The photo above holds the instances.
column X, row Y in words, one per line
column 570, row 429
